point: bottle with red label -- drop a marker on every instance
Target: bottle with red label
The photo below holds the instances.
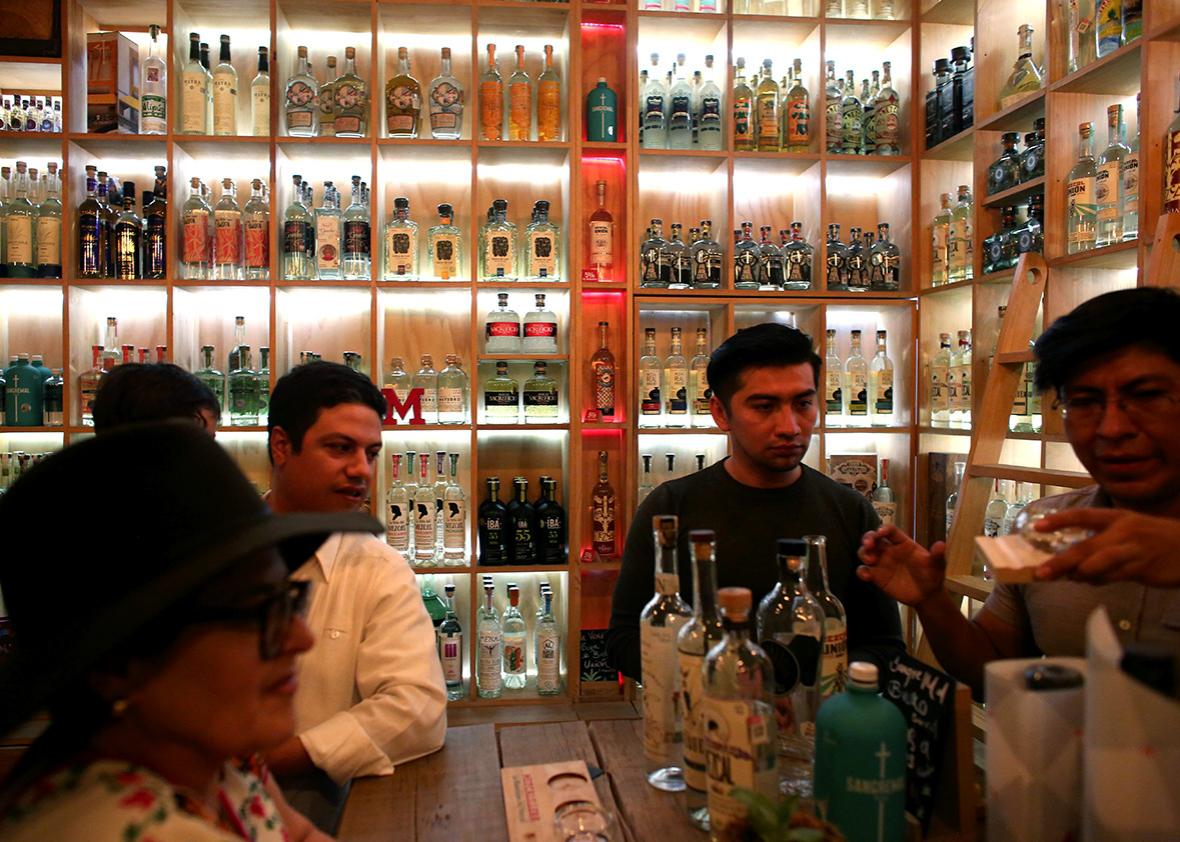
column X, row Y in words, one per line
column 502, row 328
column 227, row 234
column 256, row 233
column 540, row 329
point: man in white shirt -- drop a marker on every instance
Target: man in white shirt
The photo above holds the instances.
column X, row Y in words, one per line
column 371, row 693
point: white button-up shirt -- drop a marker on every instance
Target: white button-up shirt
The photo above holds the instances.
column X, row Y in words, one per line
column 371, row 692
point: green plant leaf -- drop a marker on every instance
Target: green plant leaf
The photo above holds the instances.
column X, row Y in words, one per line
column 761, row 812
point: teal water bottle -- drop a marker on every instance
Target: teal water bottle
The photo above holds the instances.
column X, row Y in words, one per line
column 860, row 761
column 602, row 113
column 24, row 395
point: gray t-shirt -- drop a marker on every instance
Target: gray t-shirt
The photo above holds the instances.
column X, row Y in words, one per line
column 1053, row 615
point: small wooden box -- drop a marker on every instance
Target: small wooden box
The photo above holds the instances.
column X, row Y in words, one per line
column 112, row 83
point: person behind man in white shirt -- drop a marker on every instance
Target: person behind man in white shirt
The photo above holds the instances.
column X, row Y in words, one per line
column 371, row 693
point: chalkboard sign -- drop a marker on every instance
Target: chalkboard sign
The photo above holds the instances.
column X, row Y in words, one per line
column 926, row 697
column 593, row 658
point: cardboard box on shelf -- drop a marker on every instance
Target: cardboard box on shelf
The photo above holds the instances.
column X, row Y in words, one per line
column 856, row 470
column 112, row 83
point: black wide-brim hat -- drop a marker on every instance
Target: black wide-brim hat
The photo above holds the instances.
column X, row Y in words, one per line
column 111, row 533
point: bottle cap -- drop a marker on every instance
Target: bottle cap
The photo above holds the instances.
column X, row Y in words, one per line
column 792, row 546
column 1050, row 676
column 735, row 602
column 664, row 527
column 862, row 672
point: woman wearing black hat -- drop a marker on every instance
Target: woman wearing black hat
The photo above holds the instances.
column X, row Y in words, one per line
column 161, row 638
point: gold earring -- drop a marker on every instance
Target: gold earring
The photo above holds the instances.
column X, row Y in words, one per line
column 119, row 707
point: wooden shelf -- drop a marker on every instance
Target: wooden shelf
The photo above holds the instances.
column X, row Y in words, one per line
column 1013, row 195
column 1122, row 255
column 4, row 431
column 492, row 358
column 510, row 569
column 1037, row 476
column 927, row 430
column 972, row 587
column 961, row 12
column 1018, row 116
column 1016, row 357
column 955, row 148
column 941, row 288
column 1116, row 73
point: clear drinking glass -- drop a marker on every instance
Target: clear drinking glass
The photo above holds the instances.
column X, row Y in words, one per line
column 583, row 821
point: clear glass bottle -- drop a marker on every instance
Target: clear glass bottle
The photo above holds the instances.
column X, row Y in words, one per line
column 1129, row 182
column 491, row 99
column 446, row 246
column 960, row 248
column 453, row 388
column 19, row 222
column 680, row 112
column 195, row 88
column 426, row 379
column 601, row 242
column 851, row 118
column 744, row 119
column 707, row 258
column 646, row 485
column 242, row 387
column 298, row 237
column 1079, row 45
column 698, row 382
column 498, row 246
column 651, row 250
column 790, row 626
column 540, row 329
column 446, row 102
column 542, row 242
column 547, row 649
column 739, row 717
column 502, row 328
column 886, row 119
column 1109, row 228
column 651, row 406
column 770, row 262
column 797, row 256
column 255, row 232
column 710, row 130
column 450, row 647
column 350, row 100
column 1026, row 76
column 659, row 624
column 940, row 243
column 228, row 236
column 515, row 642
column 403, row 99
column 300, row 109
column 856, row 382
column 356, row 240
column 210, row 376
column 1109, row 31
column 490, row 646
column 260, row 96
column 884, row 262
column 540, row 396
column 1081, row 200
column 425, row 513
column 960, row 380
column 328, row 234
column 677, row 259
column 997, row 507
column 501, row 397
column 833, row 383
column 857, row 262
column 881, row 385
column 952, row 500
column 48, row 231
column 745, row 260
column 127, row 243
column 939, row 387
column 153, row 102
column 326, row 102
column 520, row 100
column 400, row 248
column 454, row 517
column 769, row 138
column 675, row 383
column 195, row 222
column 833, row 94
column 225, row 93
column 837, row 260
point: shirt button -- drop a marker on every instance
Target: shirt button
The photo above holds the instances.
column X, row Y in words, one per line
column 335, row 633
column 1125, row 625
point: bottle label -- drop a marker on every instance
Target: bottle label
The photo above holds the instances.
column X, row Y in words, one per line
column 662, row 733
column 540, row 397
column 126, row 251
column 520, row 113
column 701, row 393
column 397, row 527
column 403, row 104
column 488, row 664
column 444, row 252
column 423, row 526
column 350, row 102
column 356, row 238
column 649, row 392
column 450, row 653
column 497, row 398
column 991, row 527
column 491, row 110
column 834, row 660
column 1106, row 191
column 963, row 386
column 227, row 237
column 257, row 239
column 833, row 393
column 1172, row 172
column 604, row 387
column 768, row 128
column 509, row 328
column 542, row 256
column 20, row 240
column 603, row 523
column 709, row 123
column 1081, row 210
column 450, row 399
column 514, row 660
column 296, row 236
column 49, row 241
column 887, row 126
column 939, row 394
column 454, row 522
column 798, row 120
column 883, row 393
column 743, row 126
column 680, row 116
column 500, row 255
column 196, row 236
column 740, row 751
column 225, row 104
column 192, row 102
column 858, row 394
column 548, row 656
column 90, row 240
column 601, row 237
column 887, row 512
column 677, row 382
column 260, row 110
column 548, row 110
column 152, row 106
column 446, row 107
column 653, row 115
column 939, row 248
column 327, row 235
column 541, row 329
column 1130, row 194
column 429, row 402
column 399, row 252
column 691, row 708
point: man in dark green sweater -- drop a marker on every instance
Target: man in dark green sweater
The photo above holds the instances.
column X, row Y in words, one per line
column 764, row 381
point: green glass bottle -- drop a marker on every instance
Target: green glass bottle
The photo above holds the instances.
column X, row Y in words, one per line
column 435, row 607
column 860, row 761
column 602, row 114
column 25, row 395
column 242, row 386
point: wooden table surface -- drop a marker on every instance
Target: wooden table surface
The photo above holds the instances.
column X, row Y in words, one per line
column 455, row 793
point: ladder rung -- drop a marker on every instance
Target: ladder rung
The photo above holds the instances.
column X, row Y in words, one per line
column 972, row 587
column 1037, row 476
column 1016, row 357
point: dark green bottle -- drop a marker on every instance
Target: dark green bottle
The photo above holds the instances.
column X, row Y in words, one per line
column 602, row 114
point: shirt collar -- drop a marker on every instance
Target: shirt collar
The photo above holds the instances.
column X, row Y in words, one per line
column 327, row 553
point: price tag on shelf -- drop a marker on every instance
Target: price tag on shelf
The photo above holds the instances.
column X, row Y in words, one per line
column 590, row 276
column 592, row 416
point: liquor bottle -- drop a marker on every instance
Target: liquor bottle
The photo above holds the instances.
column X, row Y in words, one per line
column 886, row 119
column 502, row 328
column 1080, row 45
column 603, row 513
column 963, row 88
column 194, row 224
column 884, row 262
column 881, row 380
column 837, row 260
column 997, row 507
column 602, row 375
column 1109, row 228
column 24, row 395
column 227, row 234
column 446, row 102
column 706, row 257
column 445, row 244
column 651, row 250
column 960, row 378
column 400, row 248
column 744, row 119
column 153, row 102
column 398, row 509
column 1023, row 498
column 498, row 246
column 680, row 112
column 833, row 383
column 1004, row 172
column 746, row 274
column 326, row 101
column 1132, row 20
column 770, row 262
column 856, row 385
column 939, row 386
column 253, row 223
column 403, row 99
column 195, row 83
column 1129, row 183
column 48, row 231
column 1026, row 76
column 260, row 96
column 452, row 392
column 547, row 649
column 424, row 515
column 551, row 525
column 54, row 397
column 19, row 223
column 698, row 382
column 520, row 100
column 491, row 100
column 676, row 257
column 548, row 100
column 1081, row 221
column 426, row 379
column 710, row 133
column 127, row 243
column 540, row 396
column 298, row 237
column 490, row 648
column 210, row 376
column 940, row 243
column 1032, row 159
column 651, row 407
column 646, row 486
column 522, row 525
column 540, row 329
column 242, row 390
column 960, row 250
column 852, row 136
column 797, row 120
column 659, row 623
column 1171, row 143
column 109, row 200
column 602, row 229
column 769, row 137
column 88, row 382
column 833, row 93
column 450, row 647
column 868, row 100
column 883, row 500
column 299, row 108
column 601, row 113
column 327, row 234
column 542, row 240
column 349, row 101
column 515, row 639
column 234, row 358
column 861, row 746
column 493, row 527
column 856, row 262
column 790, row 630
column 1109, row 33
column 738, row 719
column 225, row 93
column 501, row 399
column 454, row 518
column 439, row 490
column 834, row 661
column 675, row 383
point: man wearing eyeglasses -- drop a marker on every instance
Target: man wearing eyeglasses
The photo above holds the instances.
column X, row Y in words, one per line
column 1114, row 363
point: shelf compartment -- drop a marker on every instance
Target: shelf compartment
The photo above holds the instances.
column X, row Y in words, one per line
column 1037, row 476
column 1122, row 255
column 1014, row 195
column 961, row 12
column 1116, row 73
column 1016, row 117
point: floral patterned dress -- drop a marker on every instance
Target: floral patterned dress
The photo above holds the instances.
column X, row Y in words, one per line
column 116, row 801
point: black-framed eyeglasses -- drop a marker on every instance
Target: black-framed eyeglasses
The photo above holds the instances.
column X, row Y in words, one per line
column 1141, row 404
column 273, row 613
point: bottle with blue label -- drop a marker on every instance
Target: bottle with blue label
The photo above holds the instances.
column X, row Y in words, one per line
column 860, row 761
column 602, row 117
